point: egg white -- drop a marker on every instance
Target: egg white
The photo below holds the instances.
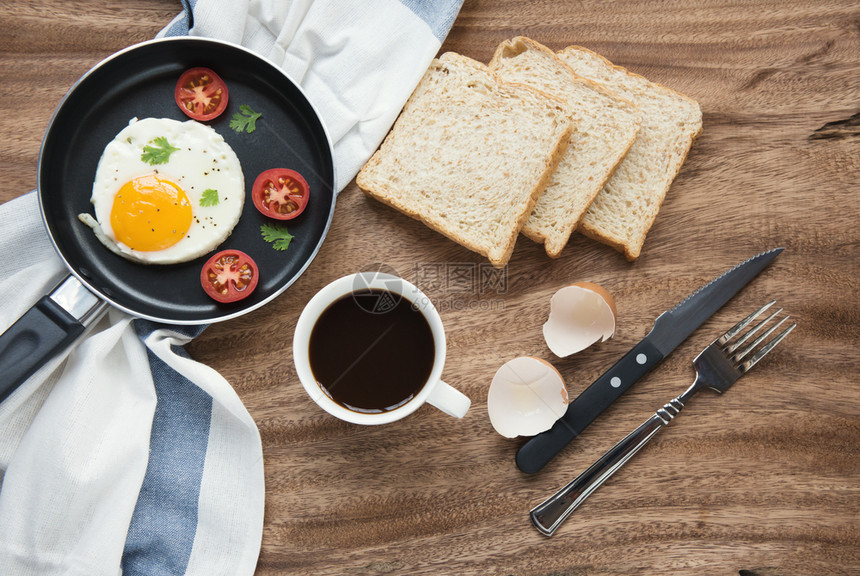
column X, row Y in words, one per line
column 202, row 162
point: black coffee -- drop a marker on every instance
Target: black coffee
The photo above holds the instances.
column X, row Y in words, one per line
column 371, row 351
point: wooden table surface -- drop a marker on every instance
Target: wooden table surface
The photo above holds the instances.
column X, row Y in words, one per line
column 764, row 480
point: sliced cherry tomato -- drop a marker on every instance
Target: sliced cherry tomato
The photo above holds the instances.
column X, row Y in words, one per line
column 280, row 193
column 228, row 276
column 201, row 94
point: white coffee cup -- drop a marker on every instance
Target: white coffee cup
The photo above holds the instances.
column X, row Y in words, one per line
column 435, row 392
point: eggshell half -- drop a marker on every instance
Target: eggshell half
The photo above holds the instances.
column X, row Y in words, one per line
column 580, row 315
column 526, row 397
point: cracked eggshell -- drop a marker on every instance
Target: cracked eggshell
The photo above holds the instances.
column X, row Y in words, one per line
column 526, row 397
column 580, row 315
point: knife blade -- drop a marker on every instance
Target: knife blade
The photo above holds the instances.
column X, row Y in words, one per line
column 670, row 329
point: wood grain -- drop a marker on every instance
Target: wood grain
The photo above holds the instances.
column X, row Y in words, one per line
column 760, row 481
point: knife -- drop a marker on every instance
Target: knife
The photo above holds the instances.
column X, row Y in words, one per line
column 670, row 329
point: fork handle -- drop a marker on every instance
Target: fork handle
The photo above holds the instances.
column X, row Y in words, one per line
column 549, row 515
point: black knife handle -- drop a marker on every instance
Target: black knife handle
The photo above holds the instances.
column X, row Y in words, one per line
column 37, row 335
column 538, row 451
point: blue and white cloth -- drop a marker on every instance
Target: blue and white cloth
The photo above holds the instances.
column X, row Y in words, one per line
column 123, row 455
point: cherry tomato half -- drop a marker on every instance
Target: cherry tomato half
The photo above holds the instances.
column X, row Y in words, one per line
column 280, row 193
column 201, row 94
column 228, row 276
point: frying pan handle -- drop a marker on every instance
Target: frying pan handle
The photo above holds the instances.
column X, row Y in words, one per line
column 50, row 325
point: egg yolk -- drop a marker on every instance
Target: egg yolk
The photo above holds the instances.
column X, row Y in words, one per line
column 150, row 213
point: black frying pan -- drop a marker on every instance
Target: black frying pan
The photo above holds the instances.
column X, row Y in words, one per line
column 139, row 82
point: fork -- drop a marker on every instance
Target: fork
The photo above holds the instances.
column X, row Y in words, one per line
column 718, row 366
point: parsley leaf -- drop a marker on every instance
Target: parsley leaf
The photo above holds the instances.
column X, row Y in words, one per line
column 278, row 235
column 245, row 119
column 158, row 151
column 209, row 198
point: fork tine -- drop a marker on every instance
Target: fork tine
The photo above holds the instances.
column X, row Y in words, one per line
column 767, row 347
column 749, row 333
column 750, row 347
column 732, row 332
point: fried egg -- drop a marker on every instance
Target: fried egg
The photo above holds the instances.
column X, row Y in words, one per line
column 166, row 191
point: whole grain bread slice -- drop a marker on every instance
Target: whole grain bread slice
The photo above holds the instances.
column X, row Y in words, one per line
column 606, row 128
column 469, row 155
column 622, row 213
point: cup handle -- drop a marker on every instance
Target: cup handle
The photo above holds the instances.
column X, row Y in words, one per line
column 449, row 400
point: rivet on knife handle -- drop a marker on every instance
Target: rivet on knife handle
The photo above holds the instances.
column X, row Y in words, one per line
column 670, row 329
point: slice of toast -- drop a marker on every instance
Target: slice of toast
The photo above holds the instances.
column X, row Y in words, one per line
column 606, row 128
column 623, row 212
column 469, row 155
